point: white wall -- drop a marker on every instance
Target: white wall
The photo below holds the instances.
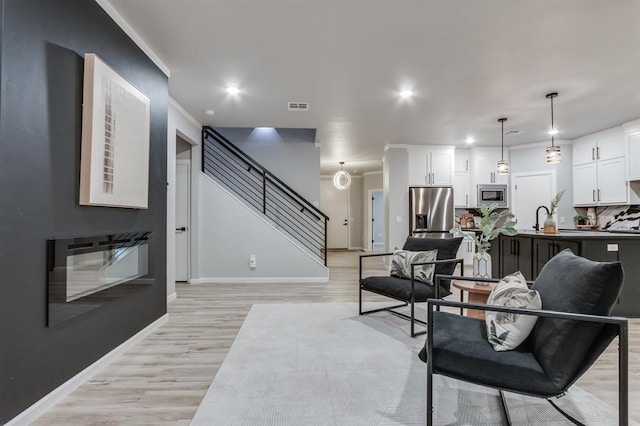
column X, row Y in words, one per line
column 290, row 154
column 232, row 232
column 395, row 178
column 531, row 158
column 180, row 123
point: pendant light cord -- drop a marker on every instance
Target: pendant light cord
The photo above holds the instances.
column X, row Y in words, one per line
column 502, row 143
column 552, row 128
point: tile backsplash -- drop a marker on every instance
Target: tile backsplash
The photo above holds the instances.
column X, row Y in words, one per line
column 619, row 217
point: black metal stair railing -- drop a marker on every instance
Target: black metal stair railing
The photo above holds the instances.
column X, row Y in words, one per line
column 266, row 193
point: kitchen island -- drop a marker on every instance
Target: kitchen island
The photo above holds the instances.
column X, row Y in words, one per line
column 530, row 250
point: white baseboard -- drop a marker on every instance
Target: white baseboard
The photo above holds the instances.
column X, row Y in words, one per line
column 264, row 280
column 195, row 281
column 62, row 391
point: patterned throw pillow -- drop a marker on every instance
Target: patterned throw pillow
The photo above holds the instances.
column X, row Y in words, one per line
column 506, row 331
column 402, row 260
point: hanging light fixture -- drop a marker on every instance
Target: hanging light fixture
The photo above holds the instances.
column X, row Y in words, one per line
column 553, row 153
column 342, row 179
column 503, row 165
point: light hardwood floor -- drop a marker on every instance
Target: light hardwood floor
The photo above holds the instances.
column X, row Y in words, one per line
column 163, row 379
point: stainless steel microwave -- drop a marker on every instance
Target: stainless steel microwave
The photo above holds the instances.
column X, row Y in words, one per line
column 493, row 194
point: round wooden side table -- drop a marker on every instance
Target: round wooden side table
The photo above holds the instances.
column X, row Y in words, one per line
column 477, row 293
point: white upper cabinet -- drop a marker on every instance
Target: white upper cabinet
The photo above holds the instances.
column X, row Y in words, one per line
column 632, row 136
column 585, row 182
column 484, row 161
column 599, row 146
column 612, row 182
column 634, row 156
column 461, row 194
column 462, row 160
column 599, row 169
column 431, row 165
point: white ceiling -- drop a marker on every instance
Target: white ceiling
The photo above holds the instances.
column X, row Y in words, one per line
column 470, row 62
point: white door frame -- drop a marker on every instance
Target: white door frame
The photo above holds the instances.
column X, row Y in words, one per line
column 189, row 195
column 369, row 237
column 324, row 179
column 514, row 176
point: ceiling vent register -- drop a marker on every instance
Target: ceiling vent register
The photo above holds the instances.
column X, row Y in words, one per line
column 298, row 106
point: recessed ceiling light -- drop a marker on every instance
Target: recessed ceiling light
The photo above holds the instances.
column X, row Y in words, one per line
column 470, row 140
column 233, row 90
column 406, row 93
column 552, row 132
column 210, row 112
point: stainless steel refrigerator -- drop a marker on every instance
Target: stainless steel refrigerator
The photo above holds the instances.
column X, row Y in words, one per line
column 431, row 212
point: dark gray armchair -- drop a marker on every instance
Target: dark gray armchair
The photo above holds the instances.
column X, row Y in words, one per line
column 572, row 330
column 412, row 291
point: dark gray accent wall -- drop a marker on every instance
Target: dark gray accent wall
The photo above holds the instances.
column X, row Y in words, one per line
column 43, row 45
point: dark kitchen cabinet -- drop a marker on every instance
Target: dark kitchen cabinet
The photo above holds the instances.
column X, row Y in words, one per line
column 545, row 248
column 626, row 252
column 515, row 255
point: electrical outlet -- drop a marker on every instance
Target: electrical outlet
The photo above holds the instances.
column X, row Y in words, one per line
column 561, row 219
column 252, row 261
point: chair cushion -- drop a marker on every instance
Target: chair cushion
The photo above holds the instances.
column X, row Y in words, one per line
column 505, row 330
column 401, row 264
column 447, row 249
column 400, row 288
column 570, row 283
column 461, row 350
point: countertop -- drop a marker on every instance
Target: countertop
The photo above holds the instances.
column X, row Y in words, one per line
column 576, row 234
column 570, row 234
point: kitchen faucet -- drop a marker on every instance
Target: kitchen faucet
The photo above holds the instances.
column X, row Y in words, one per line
column 537, row 225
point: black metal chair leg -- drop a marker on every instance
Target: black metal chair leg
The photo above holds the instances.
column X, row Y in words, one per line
column 623, row 374
column 429, row 365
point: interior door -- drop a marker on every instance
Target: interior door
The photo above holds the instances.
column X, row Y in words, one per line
column 183, row 191
column 530, row 190
column 335, row 203
column 377, row 221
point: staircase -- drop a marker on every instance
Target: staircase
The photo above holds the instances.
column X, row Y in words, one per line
column 264, row 192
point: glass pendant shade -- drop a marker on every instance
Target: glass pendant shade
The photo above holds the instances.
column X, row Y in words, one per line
column 342, row 179
column 553, row 154
column 503, row 167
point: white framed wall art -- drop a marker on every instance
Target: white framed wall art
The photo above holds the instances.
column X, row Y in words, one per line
column 114, row 165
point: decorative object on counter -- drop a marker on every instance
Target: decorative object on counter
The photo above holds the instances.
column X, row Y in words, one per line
column 553, row 153
column 466, row 221
column 584, row 222
column 342, row 179
column 593, row 218
column 580, row 219
column 550, row 226
column 488, row 231
column 503, row 165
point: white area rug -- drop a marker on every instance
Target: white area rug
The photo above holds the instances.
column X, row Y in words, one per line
column 322, row 364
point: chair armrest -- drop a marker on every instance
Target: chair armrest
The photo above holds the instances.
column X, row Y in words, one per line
column 376, row 254
column 436, row 277
column 362, row 256
column 534, row 312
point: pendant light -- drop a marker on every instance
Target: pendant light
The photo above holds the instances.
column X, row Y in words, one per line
column 503, row 165
column 342, row 179
column 553, row 153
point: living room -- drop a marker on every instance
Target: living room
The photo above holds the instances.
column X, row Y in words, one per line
column 585, row 52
